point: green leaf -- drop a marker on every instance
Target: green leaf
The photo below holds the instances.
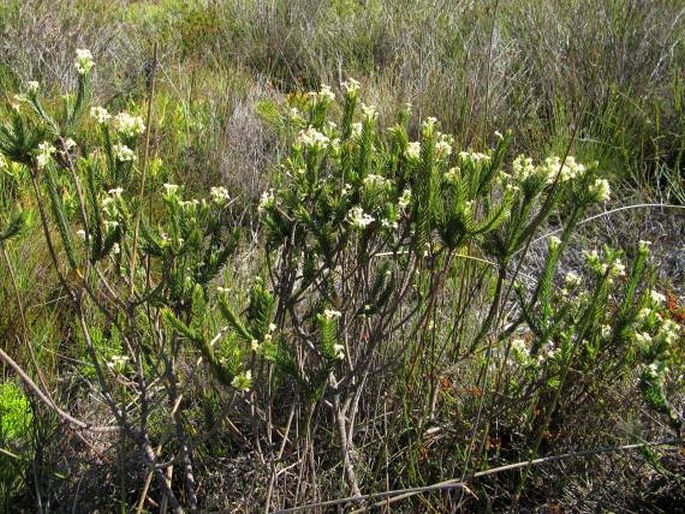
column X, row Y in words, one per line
column 178, row 326
column 14, row 226
column 198, row 308
column 234, row 321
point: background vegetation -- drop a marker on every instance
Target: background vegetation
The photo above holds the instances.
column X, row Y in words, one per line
column 444, row 396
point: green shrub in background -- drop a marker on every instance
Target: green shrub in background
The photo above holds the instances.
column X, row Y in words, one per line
column 544, row 70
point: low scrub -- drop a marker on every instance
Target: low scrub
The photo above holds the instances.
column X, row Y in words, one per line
column 379, row 336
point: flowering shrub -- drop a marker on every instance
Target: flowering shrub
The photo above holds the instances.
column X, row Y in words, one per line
column 371, row 234
column 129, row 255
column 391, row 268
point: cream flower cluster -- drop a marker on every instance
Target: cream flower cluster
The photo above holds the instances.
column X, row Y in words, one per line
column 351, row 87
column 84, row 61
column 243, row 381
column 312, row 138
column 324, row 95
column 219, row 195
column 413, row 151
column 616, row 268
column 474, row 157
column 267, row 200
column 374, row 181
column 44, row 155
column 600, row 190
column 358, row 218
column 100, row 114
column 123, row 153
column 129, row 126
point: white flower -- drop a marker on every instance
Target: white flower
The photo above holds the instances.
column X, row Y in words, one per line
column 600, row 190
column 643, row 338
column 618, row 269
column 645, row 313
column 669, row 332
column 116, row 192
column 474, row 157
column 452, row 174
column 123, row 153
column 81, row 234
column 405, row 199
column 129, row 126
column 554, row 242
column 512, row 188
column 391, row 224
column 189, row 205
column 45, row 151
column 519, row 350
column 351, row 87
column 33, row 86
column 443, row 148
column 331, row 314
column 296, row 115
column 369, row 112
column 413, row 151
column 656, row 297
column 356, row 129
column 117, row 363
column 656, row 371
column 376, row 181
column 110, row 224
column 523, row 167
column 358, row 218
column 428, row 125
column 326, row 93
column 243, row 381
column 312, row 138
column 592, row 257
column 606, row 331
column 170, row 190
column 100, row 114
column 84, row 61
column 219, row 194
column 339, row 351
column 109, row 206
column 568, row 171
column 266, row 200
column 572, row 279
column 116, row 249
